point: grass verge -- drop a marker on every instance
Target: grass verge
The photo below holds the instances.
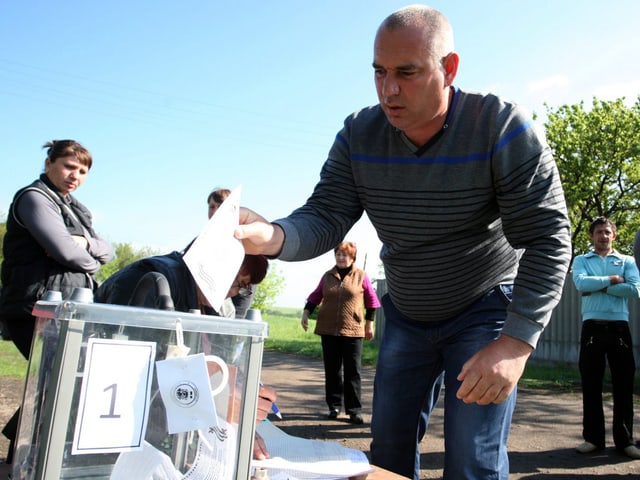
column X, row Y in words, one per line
column 12, row 363
column 286, row 335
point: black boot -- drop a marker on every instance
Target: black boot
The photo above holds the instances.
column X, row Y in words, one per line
column 10, row 431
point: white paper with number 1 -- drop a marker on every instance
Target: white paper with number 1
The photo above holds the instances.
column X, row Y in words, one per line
column 114, row 398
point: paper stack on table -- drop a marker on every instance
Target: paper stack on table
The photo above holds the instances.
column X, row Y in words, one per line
column 304, row 459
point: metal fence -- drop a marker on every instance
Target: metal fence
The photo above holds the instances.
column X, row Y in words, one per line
column 560, row 341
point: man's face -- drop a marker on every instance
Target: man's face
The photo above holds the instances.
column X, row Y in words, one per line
column 243, row 281
column 66, row 173
column 603, row 237
column 412, row 86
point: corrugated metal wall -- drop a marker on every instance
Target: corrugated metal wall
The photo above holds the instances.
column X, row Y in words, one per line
column 560, row 342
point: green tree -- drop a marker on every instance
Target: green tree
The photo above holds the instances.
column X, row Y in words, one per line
column 124, row 255
column 268, row 290
column 598, row 156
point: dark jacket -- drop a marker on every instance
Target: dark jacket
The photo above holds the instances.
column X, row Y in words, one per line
column 27, row 271
column 119, row 287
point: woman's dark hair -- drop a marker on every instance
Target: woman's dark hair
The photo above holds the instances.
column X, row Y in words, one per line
column 68, row 148
column 219, row 195
column 256, row 266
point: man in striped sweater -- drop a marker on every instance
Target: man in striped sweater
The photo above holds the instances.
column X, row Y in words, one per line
column 467, row 201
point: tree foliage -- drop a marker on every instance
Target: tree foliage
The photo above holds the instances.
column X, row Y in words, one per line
column 598, row 156
column 124, row 255
column 268, row 290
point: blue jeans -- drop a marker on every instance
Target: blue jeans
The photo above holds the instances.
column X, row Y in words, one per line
column 413, row 356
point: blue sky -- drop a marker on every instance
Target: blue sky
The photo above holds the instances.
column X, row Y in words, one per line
column 174, row 98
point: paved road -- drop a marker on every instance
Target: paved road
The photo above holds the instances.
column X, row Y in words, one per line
column 546, row 426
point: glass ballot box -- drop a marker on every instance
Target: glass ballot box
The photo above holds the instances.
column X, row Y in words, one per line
column 117, row 392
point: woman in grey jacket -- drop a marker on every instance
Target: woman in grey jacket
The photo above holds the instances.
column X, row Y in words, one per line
column 50, row 244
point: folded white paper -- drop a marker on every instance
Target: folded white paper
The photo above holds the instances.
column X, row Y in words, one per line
column 146, row 464
column 216, row 454
column 309, row 459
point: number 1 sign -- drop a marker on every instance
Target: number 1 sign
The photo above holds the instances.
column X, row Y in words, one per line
column 114, row 399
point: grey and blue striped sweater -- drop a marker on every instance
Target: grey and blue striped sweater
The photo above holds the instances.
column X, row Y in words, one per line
column 479, row 205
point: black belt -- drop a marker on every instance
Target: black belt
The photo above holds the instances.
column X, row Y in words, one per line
column 607, row 323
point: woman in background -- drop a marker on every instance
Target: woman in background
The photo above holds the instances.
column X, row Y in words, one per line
column 344, row 292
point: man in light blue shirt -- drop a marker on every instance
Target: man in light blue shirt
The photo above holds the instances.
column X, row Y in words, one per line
column 606, row 279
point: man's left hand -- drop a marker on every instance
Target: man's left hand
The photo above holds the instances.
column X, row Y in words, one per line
column 259, row 448
column 266, row 396
column 492, row 373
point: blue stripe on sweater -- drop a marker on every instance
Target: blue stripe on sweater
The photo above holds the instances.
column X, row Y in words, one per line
column 472, row 157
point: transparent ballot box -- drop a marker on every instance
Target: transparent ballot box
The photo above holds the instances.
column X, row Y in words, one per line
column 117, row 392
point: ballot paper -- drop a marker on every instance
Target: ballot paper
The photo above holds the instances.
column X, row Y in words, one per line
column 147, row 464
column 308, row 459
column 215, row 256
column 215, row 457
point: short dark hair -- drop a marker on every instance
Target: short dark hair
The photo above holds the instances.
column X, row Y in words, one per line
column 602, row 221
column 219, row 195
column 256, row 266
column 68, row 148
